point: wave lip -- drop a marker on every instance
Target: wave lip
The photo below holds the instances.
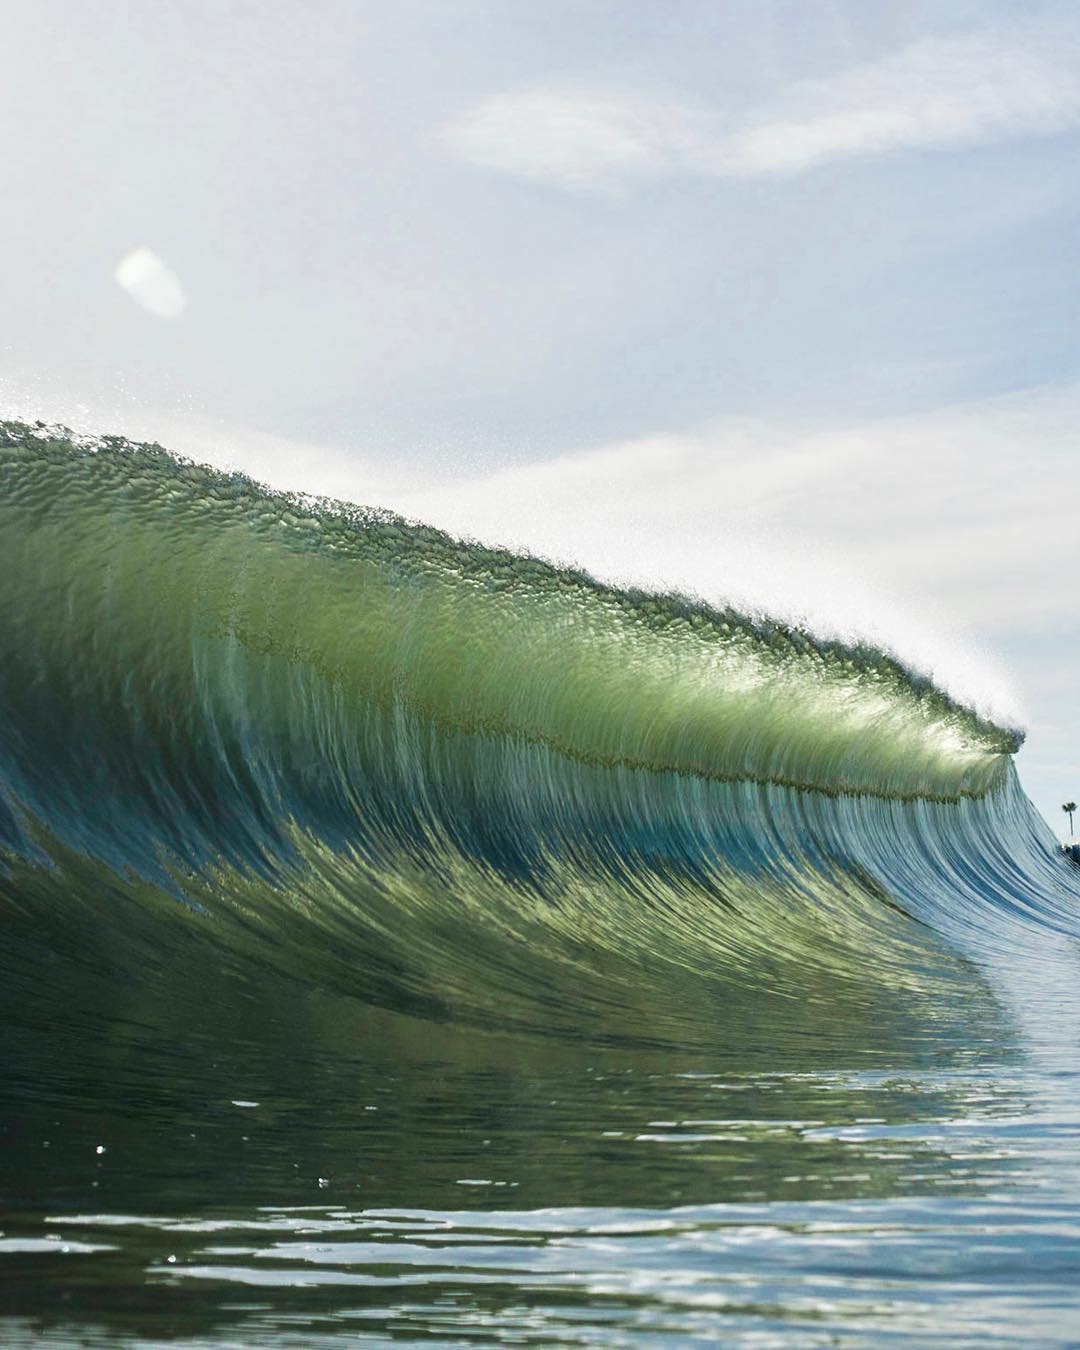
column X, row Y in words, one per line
column 475, row 640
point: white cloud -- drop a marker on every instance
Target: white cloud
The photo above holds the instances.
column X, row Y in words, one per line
column 970, row 508
column 569, row 137
column 939, row 92
column 151, row 283
column 936, row 535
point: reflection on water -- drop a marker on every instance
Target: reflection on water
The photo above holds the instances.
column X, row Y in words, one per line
column 239, row 1165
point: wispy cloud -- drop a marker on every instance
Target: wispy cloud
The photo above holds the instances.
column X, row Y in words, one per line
column 968, row 508
column 936, row 93
column 573, row 138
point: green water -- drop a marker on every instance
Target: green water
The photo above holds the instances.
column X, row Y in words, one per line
column 219, row 1160
column 403, row 941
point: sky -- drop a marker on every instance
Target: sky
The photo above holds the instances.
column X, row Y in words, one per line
column 776, row 301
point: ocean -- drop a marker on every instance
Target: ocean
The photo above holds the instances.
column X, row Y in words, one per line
column 407, row 941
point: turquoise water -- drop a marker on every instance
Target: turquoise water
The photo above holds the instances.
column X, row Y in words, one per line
column 410, row 941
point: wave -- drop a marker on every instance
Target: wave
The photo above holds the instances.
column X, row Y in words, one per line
column 463, row 782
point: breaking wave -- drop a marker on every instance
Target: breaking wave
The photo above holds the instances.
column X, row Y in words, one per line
column 343, row 746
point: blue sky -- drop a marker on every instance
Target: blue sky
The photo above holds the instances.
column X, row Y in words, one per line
column 770, row 300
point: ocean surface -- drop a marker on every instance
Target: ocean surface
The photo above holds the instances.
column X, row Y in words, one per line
column 406, row 941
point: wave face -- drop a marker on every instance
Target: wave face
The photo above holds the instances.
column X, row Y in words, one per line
column 466, row 783
column 407, row 940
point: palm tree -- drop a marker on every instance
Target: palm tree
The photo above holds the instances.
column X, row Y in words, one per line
column 1069, row 808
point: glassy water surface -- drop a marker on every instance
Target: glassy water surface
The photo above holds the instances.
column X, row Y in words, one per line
column 224, row 1171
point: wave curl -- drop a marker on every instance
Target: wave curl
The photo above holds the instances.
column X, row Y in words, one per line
column 461, row 780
